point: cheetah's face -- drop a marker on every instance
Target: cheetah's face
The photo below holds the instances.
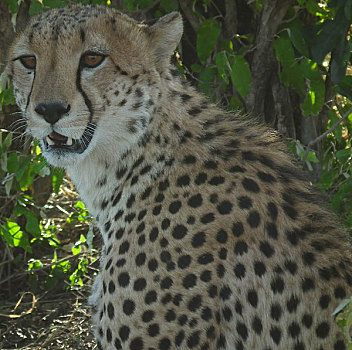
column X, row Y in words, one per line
column 86, row 80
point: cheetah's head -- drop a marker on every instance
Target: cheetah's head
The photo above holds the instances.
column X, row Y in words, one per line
column 87, row 79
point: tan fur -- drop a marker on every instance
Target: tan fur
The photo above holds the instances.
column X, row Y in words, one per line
column 212, row 237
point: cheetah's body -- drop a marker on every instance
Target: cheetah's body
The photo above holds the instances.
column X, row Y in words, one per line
column 212, row 238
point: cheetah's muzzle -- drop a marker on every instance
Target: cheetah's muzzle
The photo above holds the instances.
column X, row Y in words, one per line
column 58, row 142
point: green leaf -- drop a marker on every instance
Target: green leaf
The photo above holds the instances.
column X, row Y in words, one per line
column 14, row 236
column 12, row 163
column 57, row 176
column 35, row 8
column 12, row 6
column 23, row 165
column 343, row 155
column 297, row 36
column 169, row 5
column 222, row 64
column 314, row 100
column 345, row 87
column 206, row 77
column 329, row 36
column 284, row 51
column 207, row 37
column 32, row 222
column 240, row 75
column 327, row 179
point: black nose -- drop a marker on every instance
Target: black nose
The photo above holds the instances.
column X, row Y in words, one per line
column 52, row 112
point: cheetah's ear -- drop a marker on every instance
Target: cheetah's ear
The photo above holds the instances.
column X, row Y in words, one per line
column 165, row 35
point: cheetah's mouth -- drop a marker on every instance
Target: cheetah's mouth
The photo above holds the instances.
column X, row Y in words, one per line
column 56, row 141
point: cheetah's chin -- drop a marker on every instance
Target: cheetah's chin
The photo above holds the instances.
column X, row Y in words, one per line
column 58, row 142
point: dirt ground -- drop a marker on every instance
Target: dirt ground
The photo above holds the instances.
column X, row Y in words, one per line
column 35, row 317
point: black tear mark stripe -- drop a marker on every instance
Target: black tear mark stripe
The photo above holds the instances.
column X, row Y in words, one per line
column 84, row 95
column 30, row 92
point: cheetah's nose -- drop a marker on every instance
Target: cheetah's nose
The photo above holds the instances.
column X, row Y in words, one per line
column 52, row 112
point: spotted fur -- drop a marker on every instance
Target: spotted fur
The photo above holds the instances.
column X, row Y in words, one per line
column 212, row 237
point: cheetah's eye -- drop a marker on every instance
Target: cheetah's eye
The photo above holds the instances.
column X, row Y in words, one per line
column 92, row 60
column 28, row 62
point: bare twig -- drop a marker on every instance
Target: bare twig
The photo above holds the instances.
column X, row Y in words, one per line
column 40, row 268
column 327, row 132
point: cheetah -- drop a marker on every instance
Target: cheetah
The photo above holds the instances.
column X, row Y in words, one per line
column 212, row 237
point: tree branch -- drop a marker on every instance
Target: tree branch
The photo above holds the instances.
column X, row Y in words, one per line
column 327, row 132
column 187, row 11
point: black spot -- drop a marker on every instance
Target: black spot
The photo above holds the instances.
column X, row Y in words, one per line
column 253, row 219
column 277, row 285
column 124, row 247
column 221, row 236
column 123, row 279
column 198, row 240
column 183, row 181
column 250, row 185
column 239, row 270
column 139, row 284
column 150, row 297
column 307, row 320
column 210, row 164
column 111, row 287
column 124, row 333
column 242, row 330
column 156, row 210
column 111, row 311
column 322, row 330
column 257, row 325
column 308, row 258
column 195, row 201
column 152, row 264
column 179, row 337
column 166, row 283
column 292, row 304
column 201, row 178
column 294, row 329
column 193, row 340
column 207, row 218
column 148, row 316
column 252, row 298
column 324, row 301
column 225, row 207
column 179, row 232
column 216, row 180
column 128, row 307
column 195, row 303
column 266, row 177
column 206, row 258
column 205, row 276
column 275, row 312
column 291, row 266
column 153, row 330
column 244, row 202
column 275, row 334
column 259, row 268
column 290, row 211
column 240, row 248
column 339, row 292
column 272, row 210
column 108, row 335
column 237, row 169
column 308, row 284
column 225, row 293
column 136, row 344
column 237, row 229
column 184, row 261
column 266, row 249
column 146, row 193
column 153, row 234
column 189, row 159
column 165, row 224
